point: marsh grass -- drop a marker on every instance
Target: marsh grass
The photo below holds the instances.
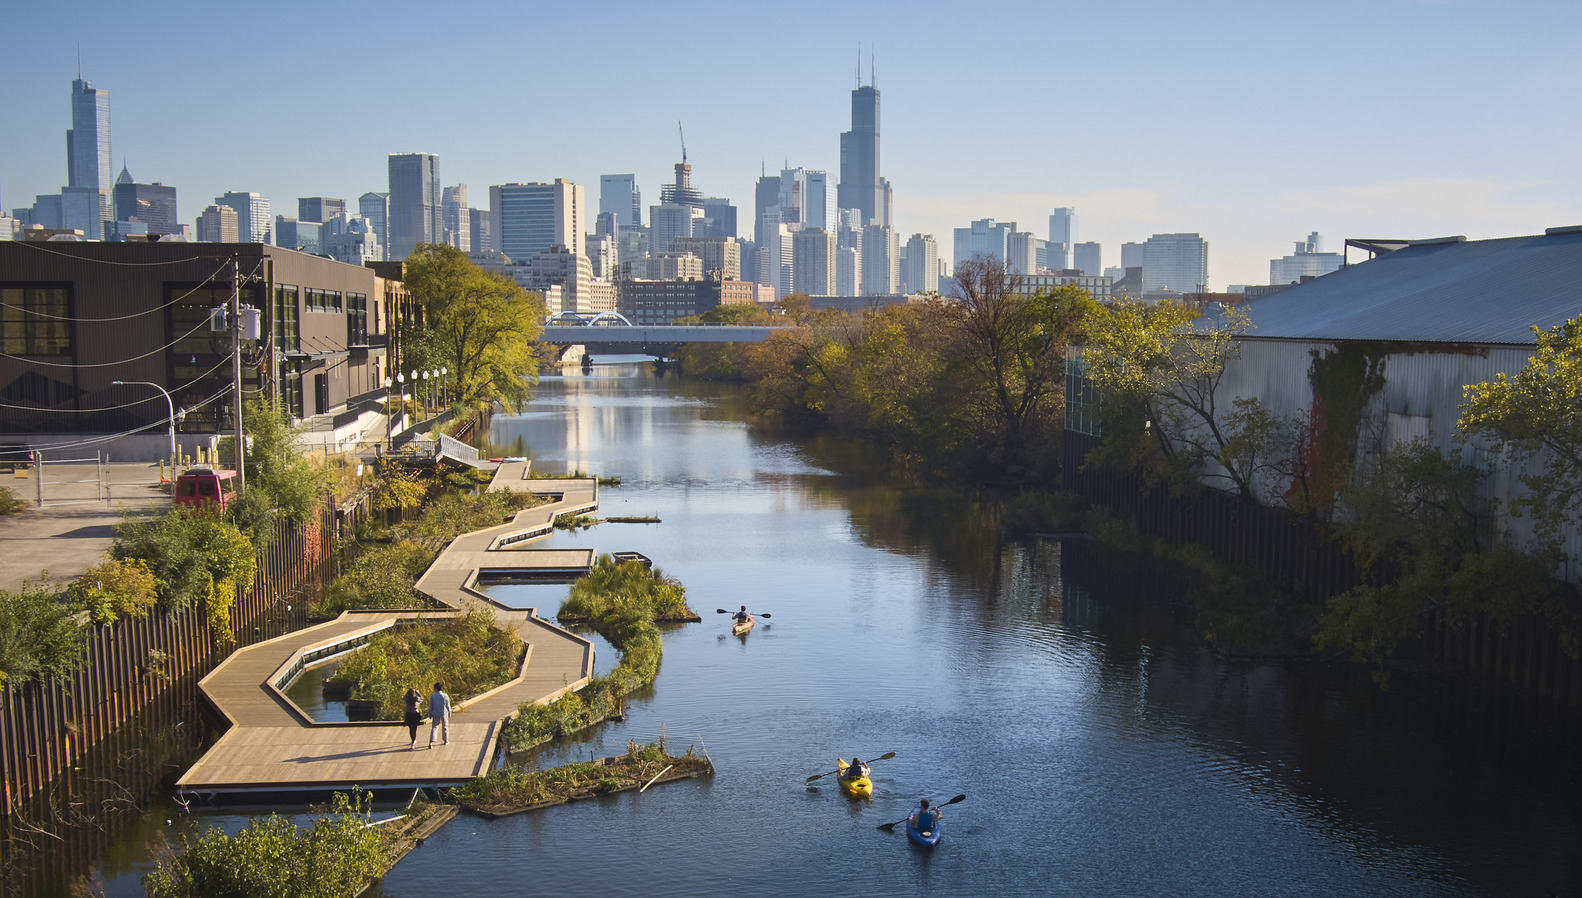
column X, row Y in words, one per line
column 466, row 653
column 621, row 602
column 516, row 789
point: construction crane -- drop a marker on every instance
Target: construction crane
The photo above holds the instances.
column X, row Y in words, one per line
column 683, row 141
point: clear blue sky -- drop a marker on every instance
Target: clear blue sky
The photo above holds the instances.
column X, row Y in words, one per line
column 1252, row 123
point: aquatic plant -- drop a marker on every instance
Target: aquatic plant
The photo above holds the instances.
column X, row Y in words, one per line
column 467, row 653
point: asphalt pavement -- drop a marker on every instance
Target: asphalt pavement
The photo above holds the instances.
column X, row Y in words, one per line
column 72, row 531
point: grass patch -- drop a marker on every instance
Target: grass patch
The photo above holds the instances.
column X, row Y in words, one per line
column 622, row 602
column 513, row 789
column 634, row 519
column 575, row 522
column 466, row 653
column 609, row 481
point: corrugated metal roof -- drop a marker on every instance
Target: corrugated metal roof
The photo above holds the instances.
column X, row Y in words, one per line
column 1477, row 291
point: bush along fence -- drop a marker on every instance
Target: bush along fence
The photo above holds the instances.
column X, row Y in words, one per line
column 1296, row 555
column 47, row 727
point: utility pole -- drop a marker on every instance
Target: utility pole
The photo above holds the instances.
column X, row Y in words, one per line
column 236, row 368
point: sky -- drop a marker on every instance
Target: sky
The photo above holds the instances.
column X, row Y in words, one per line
column 1251, row 123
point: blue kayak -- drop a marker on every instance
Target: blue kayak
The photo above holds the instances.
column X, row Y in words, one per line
column 926, row 838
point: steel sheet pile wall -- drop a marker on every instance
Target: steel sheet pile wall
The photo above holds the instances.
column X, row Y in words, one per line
column 46, row 728
column 1295, row 554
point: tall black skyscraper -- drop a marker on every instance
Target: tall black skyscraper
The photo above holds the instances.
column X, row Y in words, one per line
column 860, row 185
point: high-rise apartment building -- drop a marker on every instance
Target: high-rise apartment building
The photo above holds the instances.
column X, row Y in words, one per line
column 861, row 186
column 813, row 262
column 1021, row 252
column 1177, row 262
column 480, row 227
column 921, row 273
column 151, row 204
column 415, row 203
column 848, row 271
column 881, row 261
column 618, row 194
column 1309, row 260
column 322, row 209
column 218, row 224
column 1062, row 237
column 722, row 256
column 375, row 209
column 458, row 222
column 777, row 253
column 85, row 203
column 254, row 224
column 1088, row 258
column 819, row 203
column 531, row 218
column 984, row 237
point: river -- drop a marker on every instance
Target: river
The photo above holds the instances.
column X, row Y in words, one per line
column 1102, row 749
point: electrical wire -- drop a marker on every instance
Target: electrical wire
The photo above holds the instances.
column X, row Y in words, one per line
column 203, row 286
column 40, row 246
column 93, row 441
column 29, row 361
column 110, row 408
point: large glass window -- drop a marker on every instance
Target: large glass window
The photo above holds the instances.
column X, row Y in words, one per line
column 33, row 321
column 356, row 319
column 287, row 333
column 323, row 300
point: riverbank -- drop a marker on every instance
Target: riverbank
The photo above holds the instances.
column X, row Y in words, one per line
column 503, row 793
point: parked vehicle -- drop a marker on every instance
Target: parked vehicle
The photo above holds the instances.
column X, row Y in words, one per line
column 16, row 456
column 201, row 486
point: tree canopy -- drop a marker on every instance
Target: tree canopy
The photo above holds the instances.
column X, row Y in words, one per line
column 481, row 324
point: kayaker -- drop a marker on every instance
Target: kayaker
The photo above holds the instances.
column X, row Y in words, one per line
column 923, row 819
column 857, row 769
column 742, row 616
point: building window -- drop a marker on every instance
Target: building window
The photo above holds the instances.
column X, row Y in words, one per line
column 356, row 319
column 287, row 333
column 32, row 321
column 323, row 300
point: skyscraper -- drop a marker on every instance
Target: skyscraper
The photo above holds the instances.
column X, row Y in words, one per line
column 253, row 221
column 860, row 185
column 458, row 223
column 985, row 237
column 530, row 218
column 1176, row 262
column 151, row 204
column 85, row 203
column 921, row 272
column 881, row 260
column 619, row 194
column 321, row 209
column 1088, row 258
column 813, row 262
column 1309, row 260
column 415, row 203
column 819, row 205
column 375, row 209
column 1020, row 252
column 218, row 225
column 766, row 197
column 1062, row 237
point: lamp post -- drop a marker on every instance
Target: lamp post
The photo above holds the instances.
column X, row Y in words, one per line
column 442, row 396
column 169, row 403
column 428, row 394
column 389, row 417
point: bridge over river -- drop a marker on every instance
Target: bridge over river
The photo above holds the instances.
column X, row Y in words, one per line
column 618, row 337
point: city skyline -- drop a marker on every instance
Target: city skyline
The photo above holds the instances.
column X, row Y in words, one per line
column 1295, row 122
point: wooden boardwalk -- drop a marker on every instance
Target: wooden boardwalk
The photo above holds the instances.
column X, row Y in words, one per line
column 272, row 746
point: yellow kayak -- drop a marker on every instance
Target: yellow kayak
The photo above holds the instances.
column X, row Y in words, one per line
column 858, row 786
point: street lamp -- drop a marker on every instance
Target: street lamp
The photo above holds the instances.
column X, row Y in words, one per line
column 442, row 383
column 389, row 416
column 169, row 403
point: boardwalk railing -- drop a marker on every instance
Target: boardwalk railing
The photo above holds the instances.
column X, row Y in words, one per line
column 45, row 728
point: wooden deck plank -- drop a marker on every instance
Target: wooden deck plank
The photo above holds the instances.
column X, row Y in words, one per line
column 272, row 746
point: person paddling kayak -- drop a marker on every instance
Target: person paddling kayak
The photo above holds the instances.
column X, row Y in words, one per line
column 924, row 817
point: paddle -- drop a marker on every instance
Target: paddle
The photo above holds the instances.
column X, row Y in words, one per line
column 890, row 827
column 884, row 757
column 762, row 614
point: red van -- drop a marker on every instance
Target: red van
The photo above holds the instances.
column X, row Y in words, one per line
column 200, row 486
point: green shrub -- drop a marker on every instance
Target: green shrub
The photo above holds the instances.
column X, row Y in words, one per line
column 467, row 653
column 114, row 588
column 382, row 577
column 334, row 857
column 9, row 503
column 39, row 637
column 190, row 553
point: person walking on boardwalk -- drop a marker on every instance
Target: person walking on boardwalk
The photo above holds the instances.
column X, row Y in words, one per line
column 439, row 714
column 413, row 699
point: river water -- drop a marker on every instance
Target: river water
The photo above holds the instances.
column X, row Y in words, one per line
column 1102, row 750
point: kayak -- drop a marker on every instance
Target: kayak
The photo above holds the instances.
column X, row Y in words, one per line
column 742, row 626
column 857, row 786
column 928, row 838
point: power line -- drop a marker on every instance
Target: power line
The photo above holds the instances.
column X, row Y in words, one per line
column 108, row 408
column 26, row 311
column 29, row 361
column 40, row 246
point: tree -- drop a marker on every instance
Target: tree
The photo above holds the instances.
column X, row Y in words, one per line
column 484, row 324
column 39, row 637
column 1012, row 350
column 1538, row 415
column 1166, row 361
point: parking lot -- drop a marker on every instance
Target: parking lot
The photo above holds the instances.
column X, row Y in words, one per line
column 71, row 532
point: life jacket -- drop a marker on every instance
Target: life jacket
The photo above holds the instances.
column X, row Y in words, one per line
column 925, row 821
